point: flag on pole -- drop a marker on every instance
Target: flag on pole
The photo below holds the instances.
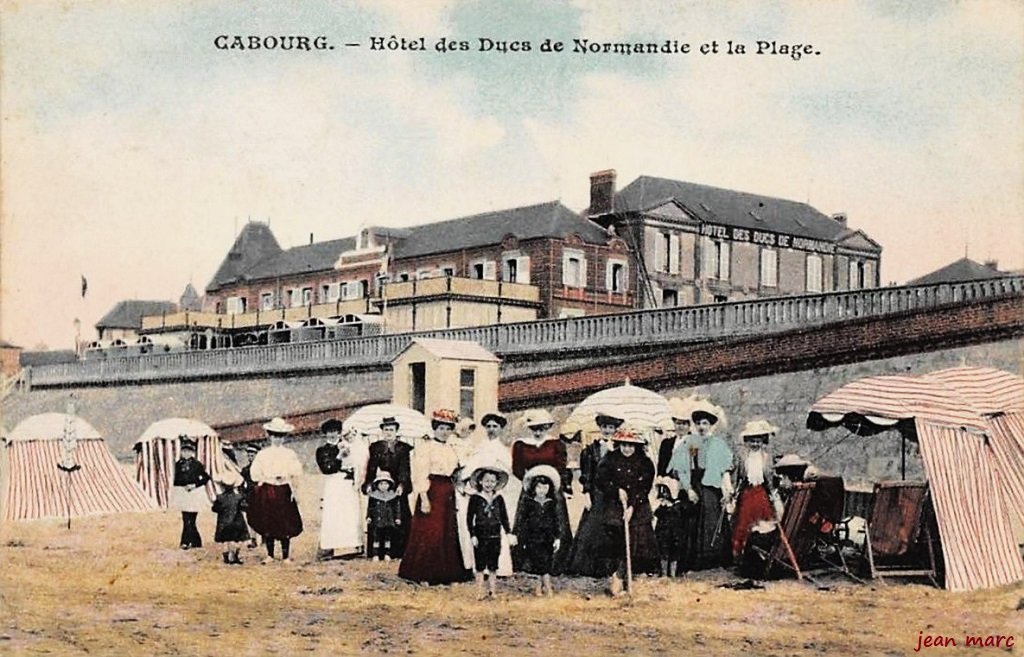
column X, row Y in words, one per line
column 85, row 286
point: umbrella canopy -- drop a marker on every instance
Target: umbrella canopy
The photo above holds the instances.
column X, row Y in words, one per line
column 972, row 445
column 640, row 408
column 174, row 427
column 51, row 426
column 366, row 420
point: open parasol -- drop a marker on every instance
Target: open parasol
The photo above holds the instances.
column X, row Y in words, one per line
column 642, row 409
column 366, row 421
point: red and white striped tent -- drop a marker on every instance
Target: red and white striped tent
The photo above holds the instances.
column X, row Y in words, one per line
column 32, row 486
column 159, row 448
column 969, row 424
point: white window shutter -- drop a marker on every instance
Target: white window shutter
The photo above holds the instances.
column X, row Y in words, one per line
column 523, row 273
column 608, row 275
column 709, row 268
column 869, row 273
column 673, row 254
column 725, row 261
column 583, row 272
column 490, row 271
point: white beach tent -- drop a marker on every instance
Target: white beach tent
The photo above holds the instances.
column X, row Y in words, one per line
column 159, row 447
column 32, row 486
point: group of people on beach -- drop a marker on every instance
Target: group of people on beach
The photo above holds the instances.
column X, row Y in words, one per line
column 457, row 504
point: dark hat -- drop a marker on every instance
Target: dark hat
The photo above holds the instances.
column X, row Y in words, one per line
column 390, row 422
column 332, row 426
column 188, row 443
column 602, row 419
column 494, row 417
column 444, row 416
column 481, row 471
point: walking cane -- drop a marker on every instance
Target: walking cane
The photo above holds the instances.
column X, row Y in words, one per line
column 629, row 555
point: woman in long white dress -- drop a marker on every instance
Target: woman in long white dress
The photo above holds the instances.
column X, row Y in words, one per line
column 341, row 525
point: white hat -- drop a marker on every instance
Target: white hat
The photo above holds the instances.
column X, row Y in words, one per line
column 278, row 425
column 537, row 417
column 681, row 408
column 671, row 482
column 759, row 428
column 542, row 471
column 790, row 461
column 704, row 408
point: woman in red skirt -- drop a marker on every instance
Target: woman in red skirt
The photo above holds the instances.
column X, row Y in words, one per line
column 432, row 553
column 757, row 499
column 273, row 512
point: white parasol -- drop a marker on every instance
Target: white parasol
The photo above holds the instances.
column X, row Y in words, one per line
column 366, row 421
column 642, row 409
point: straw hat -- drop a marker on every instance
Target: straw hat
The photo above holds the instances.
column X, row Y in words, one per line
column 383, row 475
column 759, row 428
column 538, row 417
column 628, row 436
column 791, row 461
column 278, row 426
column 444, row 416
column 703, row 409
column 542, row 471
column 479, row 472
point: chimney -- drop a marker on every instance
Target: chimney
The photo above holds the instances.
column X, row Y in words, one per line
column 602, row 190
column 311, row 238
column 840, row 217
column 992, row 264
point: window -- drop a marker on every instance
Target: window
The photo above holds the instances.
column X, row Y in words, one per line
column 449, row 271
column 325, row 293
column 424, row 273
column 669, row 298
column 716, row 260
column 484, row 270
column 769, row 268
column 814, row 281
column 294, row 297
column 664, row 252
column 511, row 266
column 856, row 275
column 267, row 301
column 467, row 392
column 478, row 270
column 615, row 276
column 720, row 298
column 869, row 274
column 574, row 268
column 403, row 277
column 235, row 305
column 307, row 296
column 364, row 288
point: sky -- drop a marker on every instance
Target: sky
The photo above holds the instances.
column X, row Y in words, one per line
column 132, row 150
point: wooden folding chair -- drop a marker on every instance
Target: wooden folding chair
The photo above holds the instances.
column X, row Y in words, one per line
column 807, row 525
column 899, row 535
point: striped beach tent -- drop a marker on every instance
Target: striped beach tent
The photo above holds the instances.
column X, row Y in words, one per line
column 969, row 424
column 159, row 448
column 32, row 486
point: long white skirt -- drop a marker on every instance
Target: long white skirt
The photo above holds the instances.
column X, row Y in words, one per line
column 341, row 521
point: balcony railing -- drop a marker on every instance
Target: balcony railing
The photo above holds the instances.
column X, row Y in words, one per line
column 188, row 319
column 470, row 287
column 650, row 327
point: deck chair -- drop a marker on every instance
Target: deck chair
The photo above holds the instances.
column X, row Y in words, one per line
column 806, row 531
column 899, row 532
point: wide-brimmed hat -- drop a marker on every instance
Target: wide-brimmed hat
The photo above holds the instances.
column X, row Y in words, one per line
column 791, row 461
column 444, row 416
column 278, row 426
column 545, row 471
column 628, row 436
column 185, row 442
column 228, row 478
column 603, row 419
column 703, row 409
column 538, row 417
column 759, row 427
column 479, row 472
column 383, row 475
column 494, row 417
column 669, row 482
column 390, row 422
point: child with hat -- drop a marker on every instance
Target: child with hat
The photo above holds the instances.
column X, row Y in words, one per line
column 668, row 524
column 232, row 529
column 487, row 518
column 383, row 516
column 540, row 526
column 189, row 495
